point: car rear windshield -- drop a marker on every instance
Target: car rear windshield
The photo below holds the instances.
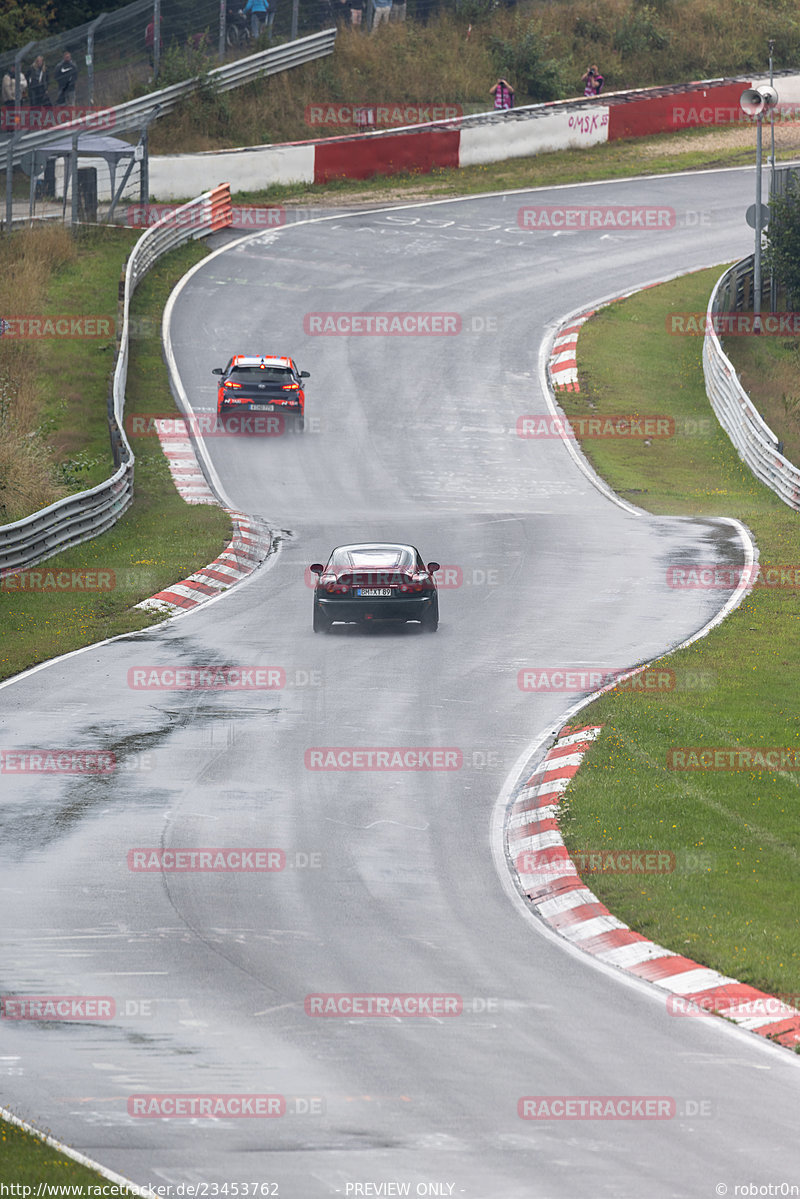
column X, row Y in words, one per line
column 380, row 558
column 261, row 374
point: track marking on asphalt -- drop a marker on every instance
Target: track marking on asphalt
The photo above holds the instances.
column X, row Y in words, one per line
column 363, row 827
column 498, row 815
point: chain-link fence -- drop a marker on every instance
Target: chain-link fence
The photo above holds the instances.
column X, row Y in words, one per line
column 118, row 56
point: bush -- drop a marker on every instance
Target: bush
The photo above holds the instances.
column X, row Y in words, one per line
column 783, row 241
column 522, row 59
column 638, row 34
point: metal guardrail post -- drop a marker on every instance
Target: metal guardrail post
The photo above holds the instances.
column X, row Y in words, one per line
column 73, row 168
column 90, row 52
column 10, row 180
column 156, row 38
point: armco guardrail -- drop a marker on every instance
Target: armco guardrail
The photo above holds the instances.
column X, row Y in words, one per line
column 755, row 442
column 79, row 517
column 454, row 141
column 224, row 79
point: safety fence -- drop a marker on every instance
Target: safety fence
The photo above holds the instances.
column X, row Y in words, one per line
column 114, row 54
column 753, row 439
column 134, row 113
column 78, row 518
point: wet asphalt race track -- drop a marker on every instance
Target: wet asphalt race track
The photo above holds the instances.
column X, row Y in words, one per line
column 408, row 438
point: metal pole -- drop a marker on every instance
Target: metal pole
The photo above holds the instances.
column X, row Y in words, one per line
column 757, row 255
column 295, row 18
column 12, row 141
column 771, row 123
column 73, row 159
column 90, row 53
column 156, row 38
column 144, row 160
column 32, row 189
column 773, row 286
column 144, row 172
column 223, row 12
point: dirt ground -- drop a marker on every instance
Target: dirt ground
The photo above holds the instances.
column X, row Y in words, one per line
column 739, row 137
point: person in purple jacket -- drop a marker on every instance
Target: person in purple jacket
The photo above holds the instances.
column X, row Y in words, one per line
column 592, row 81
column 503, row 94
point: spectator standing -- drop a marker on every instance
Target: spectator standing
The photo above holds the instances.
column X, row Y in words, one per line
column 10, row 88
column 258, row 11
column 398, row 12
column 382, row 11
column 592, row 81
column 356, row 12
column 503, row 94
column 38, row 83
column 66, row 75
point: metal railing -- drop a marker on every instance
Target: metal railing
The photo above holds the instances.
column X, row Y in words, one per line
column 115, row 52
column 78, row 518
column 134, row 113
column 754, row 441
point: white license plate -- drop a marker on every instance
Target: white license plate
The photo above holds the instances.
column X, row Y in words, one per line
column 374, row 591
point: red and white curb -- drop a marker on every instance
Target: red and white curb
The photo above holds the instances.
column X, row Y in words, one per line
column 184, row 467
column 563, row 362
column 248, row 548
column 550, row 879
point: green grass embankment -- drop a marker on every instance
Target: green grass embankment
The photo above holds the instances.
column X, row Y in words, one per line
column 732, row 900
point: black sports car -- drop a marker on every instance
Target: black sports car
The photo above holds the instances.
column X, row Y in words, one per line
column 266, row 384
column 375, row 581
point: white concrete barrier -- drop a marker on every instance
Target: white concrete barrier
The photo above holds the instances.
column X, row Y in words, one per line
column 173, row 176
column 555, row 130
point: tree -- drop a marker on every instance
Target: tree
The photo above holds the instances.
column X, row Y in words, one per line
column 783, row 240
column 69, row 13
column 22, row 22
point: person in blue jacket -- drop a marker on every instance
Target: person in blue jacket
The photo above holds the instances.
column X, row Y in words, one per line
column 259, row 14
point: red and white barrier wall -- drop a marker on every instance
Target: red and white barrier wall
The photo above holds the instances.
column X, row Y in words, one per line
column 468, row 141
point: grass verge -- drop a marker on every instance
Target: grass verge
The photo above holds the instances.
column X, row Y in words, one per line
column 72, row 378
column 732, row 900
column 160, row 539
column 28, row 264
column 25, row 1159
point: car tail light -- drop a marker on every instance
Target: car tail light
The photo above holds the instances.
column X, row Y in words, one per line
column 290, row 387
column 334, row 585
column 227, row 385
